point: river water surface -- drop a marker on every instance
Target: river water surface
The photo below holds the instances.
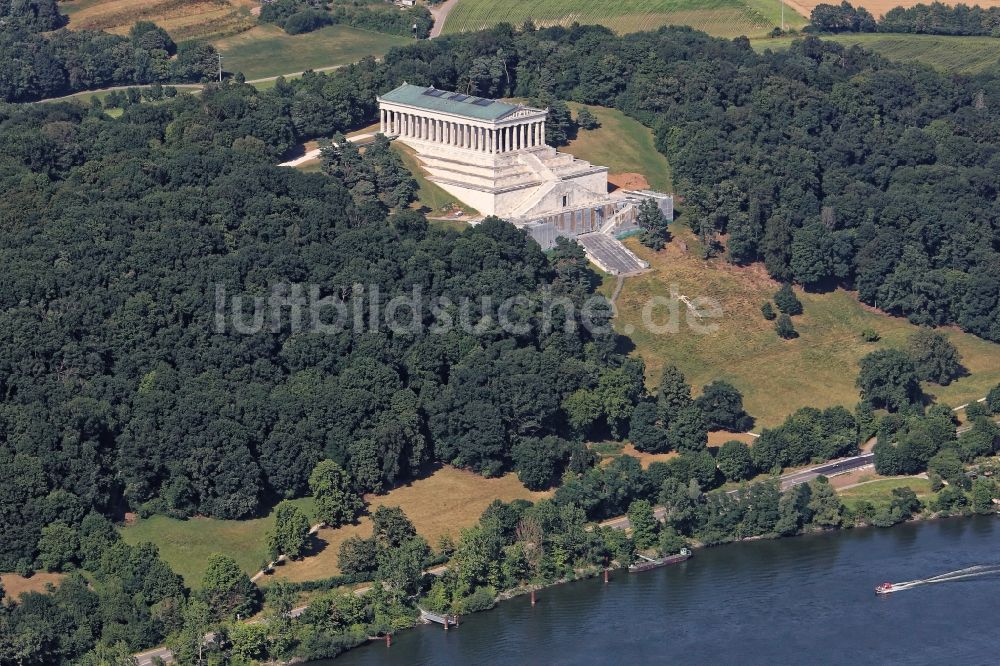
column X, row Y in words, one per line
column 805, row 600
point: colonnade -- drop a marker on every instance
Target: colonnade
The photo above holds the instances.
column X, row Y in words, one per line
column 468, row 136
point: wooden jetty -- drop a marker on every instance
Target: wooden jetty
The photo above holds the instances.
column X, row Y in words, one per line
column 445, row 620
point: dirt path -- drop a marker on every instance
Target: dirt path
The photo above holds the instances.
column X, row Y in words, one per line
column 440, row 14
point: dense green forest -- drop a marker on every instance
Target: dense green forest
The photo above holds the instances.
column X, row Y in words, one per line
column 116, row 232
column 119, row 391
column 35, row 66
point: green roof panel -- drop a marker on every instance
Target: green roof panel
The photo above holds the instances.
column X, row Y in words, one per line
column 449, row 102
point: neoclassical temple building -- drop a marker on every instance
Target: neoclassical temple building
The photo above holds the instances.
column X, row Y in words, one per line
column 492, row 156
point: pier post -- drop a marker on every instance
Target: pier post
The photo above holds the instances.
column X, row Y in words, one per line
column 605, row 576
column 532, row 596
column 456, row 620
column 446, row 623
column 388, row 640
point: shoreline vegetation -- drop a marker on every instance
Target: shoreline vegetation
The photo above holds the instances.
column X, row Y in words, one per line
column 616, row 567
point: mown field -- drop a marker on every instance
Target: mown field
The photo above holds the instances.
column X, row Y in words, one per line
column 622, row 144
column 183, row 19
column 962, row 55
column 879, row 492
column 187, row 544
column 444, row 502
column 722, row 18
column 776, row 376
column 268, row 51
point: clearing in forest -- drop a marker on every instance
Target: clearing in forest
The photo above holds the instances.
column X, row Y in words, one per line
column 776, row 377
column 441, row 503
column 624, row 145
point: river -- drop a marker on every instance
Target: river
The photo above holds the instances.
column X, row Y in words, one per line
column 808, row 599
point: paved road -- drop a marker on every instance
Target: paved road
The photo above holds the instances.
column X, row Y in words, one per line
column 440, row 14
column 609, row 254
column 831, row 468
column 315, row 152
column 841, row 466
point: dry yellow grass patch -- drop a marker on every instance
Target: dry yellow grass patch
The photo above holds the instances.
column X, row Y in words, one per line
column 645, row 458
column 15, row 585
column 443, row 503
column 183, row 19
column 717, row 438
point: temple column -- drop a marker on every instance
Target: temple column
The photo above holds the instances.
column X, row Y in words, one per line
column 491, row 144
column 381, row 121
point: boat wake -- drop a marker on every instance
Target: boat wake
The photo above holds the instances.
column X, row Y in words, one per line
column 961, row 574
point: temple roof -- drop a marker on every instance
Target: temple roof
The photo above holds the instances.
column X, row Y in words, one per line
column 443, row 101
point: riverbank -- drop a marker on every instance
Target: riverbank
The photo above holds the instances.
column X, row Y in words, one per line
column 617, row 569
column 758, row 602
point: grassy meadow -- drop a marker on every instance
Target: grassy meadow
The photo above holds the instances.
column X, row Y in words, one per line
column 187, row 544
column 776, row 376
column 879, row 492
column 722, row 18
column 267, row 50
column 622, row 144
column 442, row 503
column 960, row 55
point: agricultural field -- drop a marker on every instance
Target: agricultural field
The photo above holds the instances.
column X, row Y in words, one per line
column 623, row 145
column 267, row 51
column 960, row 55
column 776, row 376
column 183, row 19
column 722, row 18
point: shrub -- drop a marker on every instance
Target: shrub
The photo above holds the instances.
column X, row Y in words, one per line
column 993, row 400
column 768, row 311
column 783, row 327
column 484, row 598
column 307, row 21
column 787, row 301
column 870, row 335
column 587, row 120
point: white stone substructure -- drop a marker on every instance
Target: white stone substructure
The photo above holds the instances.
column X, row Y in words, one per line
column 492, row 156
